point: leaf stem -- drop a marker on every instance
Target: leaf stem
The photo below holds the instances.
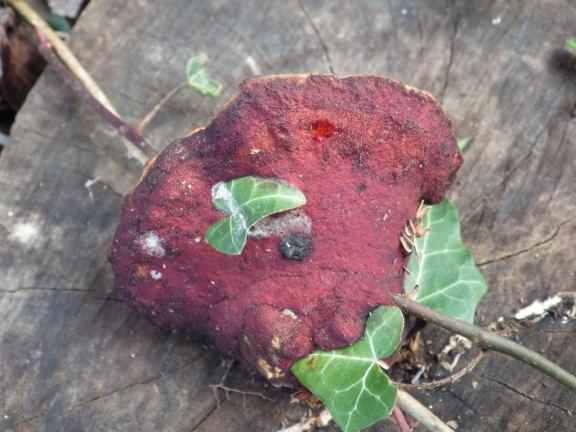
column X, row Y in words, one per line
column 400, row 419
column 64, row 53
column 141, row 125
column 418, row 411
column 52, row 46
column 489, row 341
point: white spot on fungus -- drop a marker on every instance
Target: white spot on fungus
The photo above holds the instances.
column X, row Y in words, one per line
column 276, row 344
column 269, row 371
column 155, row 274
column 295, row 221
column 151, row 244
column 290, row 313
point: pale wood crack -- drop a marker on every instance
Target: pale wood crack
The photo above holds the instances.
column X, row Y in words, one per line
column 530, row 248
column 321, row 41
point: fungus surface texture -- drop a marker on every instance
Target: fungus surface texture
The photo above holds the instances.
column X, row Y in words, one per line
column 364, row 150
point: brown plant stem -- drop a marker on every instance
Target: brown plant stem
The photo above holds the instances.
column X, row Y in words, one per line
column 67, row 65
column 489, row 341
column 419, row 412
column 400, row 418
column 141, row 125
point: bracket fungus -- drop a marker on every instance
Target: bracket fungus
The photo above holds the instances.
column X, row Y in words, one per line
column 364, row 150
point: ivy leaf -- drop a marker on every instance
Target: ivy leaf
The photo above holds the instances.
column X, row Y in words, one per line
column 58, row 23
column 247, row 200
column 197, row 77
column 464, row 142
column 349, row 381
column 571, row 43
column 441, row 270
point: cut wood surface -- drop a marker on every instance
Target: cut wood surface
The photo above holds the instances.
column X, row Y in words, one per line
column 67, row 8
column 75, row 358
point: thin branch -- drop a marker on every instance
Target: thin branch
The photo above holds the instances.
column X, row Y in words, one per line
column 418, row 411
column 489, row 341
column 226, row 390
column 400, row 418
column 63, row 52
column 67, row 65
column 228, row 365
column 141, row 125
column 135, row 143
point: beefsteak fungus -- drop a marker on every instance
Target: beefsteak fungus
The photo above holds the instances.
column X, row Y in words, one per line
column 364, row 150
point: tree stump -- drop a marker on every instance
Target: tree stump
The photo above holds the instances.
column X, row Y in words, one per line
column 75, row 358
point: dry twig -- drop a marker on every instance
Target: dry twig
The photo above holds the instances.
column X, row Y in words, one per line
column 426, row 417
column 489, row 341
column 65, row 63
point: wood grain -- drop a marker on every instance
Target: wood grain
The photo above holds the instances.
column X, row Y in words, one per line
column 73, row 358
column 67, row 8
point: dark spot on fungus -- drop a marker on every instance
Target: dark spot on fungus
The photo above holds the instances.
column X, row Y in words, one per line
column 153, row 177
column 296, row 246
column 322, row 129
column 397, row 150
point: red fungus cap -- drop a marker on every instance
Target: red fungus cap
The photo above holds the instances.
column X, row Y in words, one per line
column 364, row 150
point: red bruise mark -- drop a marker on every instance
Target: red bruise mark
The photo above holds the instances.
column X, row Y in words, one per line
column 322, row 129
column 393, row 148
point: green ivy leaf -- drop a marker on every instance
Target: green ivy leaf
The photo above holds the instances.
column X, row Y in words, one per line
column 349, row 381
column 441, row 271
column 198, row 78
column 464, row 142
column 571, row 43
column 247, row 200
column 58, row 23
